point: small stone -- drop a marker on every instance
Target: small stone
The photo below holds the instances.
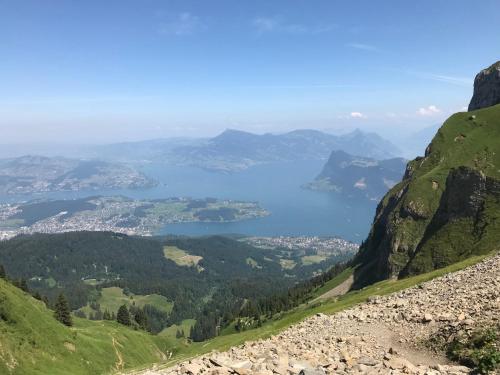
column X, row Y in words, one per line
column 427, row 318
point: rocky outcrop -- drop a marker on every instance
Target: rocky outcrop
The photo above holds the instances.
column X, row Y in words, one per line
column 381, row 336
column 486, row 88
column 356, row 176
column 447, row 206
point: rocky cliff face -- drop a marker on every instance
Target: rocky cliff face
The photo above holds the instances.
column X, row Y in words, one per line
column 486, row 88
column 446, row 208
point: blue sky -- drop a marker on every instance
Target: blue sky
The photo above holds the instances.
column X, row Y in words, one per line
column 100, row 71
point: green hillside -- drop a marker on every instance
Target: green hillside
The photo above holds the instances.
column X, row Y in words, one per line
column 33, row 342
column 447, row 206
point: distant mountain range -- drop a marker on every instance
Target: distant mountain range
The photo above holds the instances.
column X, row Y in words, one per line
column 235, row 150
column 35, row 174
column 358, row 176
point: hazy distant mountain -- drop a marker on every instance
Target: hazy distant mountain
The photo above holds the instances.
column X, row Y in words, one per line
column 416, row 143
column 358, row 176
column 34, row 174
column 235, row 150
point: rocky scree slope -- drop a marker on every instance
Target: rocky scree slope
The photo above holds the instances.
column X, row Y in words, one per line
column 386, row 335
column 446, row 208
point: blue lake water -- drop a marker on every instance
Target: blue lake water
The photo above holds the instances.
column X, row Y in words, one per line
column 277, row 187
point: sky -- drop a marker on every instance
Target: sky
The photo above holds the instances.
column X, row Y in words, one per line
column 99, row 71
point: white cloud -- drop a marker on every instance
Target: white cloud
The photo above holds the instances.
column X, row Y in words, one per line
column 278, row 24
column 428, row 111
column 183, row 23
column 363, row 47
column 357, row 115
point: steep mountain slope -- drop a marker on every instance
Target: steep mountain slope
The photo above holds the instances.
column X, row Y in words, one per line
column 446, row 208
column 358, row 176
column 406, row 332
column 32, row 342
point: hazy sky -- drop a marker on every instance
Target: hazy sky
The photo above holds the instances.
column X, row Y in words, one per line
column 102, row 70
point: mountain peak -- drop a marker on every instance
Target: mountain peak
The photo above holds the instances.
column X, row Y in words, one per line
column 486, row 88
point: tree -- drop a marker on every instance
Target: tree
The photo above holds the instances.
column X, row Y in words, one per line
column 62, row 312
column 3, row 275
column 179, row 334
column 123, row 316
column 141, row 319
column 80, row 314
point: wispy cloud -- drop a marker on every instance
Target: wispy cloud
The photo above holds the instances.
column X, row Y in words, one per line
column 458, row 81
column 428, row 111
column 278, row 24
column 184, row 23
column 300, row 86
column 363, row 47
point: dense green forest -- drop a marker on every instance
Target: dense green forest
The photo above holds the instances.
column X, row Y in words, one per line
column 213, row 279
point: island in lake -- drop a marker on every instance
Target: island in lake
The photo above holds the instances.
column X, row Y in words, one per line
column 119, row 214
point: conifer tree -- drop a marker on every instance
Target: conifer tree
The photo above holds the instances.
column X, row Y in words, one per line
column 123, row 316
column 62, row 312
column 141, row 319
column 3, row 275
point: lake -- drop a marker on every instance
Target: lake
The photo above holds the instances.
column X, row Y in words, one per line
column 276, row 186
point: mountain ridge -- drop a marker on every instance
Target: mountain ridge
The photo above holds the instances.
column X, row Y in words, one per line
column 447, row 206
column 356, row 176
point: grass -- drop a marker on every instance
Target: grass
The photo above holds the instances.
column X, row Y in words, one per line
column 274, row 326
column 253, row 263
column 32, row 342
column 467, row 139
column 170, row 332
column 336, row 281
column 112, row 298
column 287, row 264
column 307, row 260
column 181, row 257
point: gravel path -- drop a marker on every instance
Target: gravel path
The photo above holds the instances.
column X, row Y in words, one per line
column 382, row 336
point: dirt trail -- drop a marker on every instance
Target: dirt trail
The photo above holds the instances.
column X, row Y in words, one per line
column 386, row 335
column 119, row 365
column 339, row 290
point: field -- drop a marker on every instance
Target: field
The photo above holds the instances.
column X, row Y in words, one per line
column 112, row 298
column 182, row 258
column 312, row 259
column 287, row 264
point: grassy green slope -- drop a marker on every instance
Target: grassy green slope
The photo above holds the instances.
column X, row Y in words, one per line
column 33, row 342
column 466, row 139
column 401, row 239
